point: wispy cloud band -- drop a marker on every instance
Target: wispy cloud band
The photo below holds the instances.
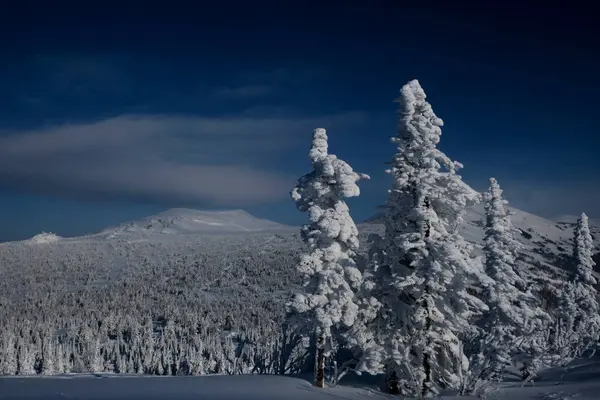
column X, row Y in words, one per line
column 221, row 161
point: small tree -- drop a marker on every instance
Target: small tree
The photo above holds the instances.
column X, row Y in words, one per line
column 48, row 367
column 513, row 314
column 8, row 353
column 415, row 300
column 582, row 253
column 575, row 327
column 60, row 366
column 329, row 270
column 26, row 358
column 579, row 312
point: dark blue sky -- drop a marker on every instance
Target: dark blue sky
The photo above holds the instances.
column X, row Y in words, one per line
column 113, row 112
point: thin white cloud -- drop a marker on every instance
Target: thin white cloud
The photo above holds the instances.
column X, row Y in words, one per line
column 213, row 160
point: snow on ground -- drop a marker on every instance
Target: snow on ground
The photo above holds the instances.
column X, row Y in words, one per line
column 580, row 381
column 222, row 387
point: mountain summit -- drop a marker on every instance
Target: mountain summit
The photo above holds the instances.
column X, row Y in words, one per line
column 189, row 221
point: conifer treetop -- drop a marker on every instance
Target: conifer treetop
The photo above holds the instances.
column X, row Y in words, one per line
column 420, row 168
column 584, row 246
column 500, row 247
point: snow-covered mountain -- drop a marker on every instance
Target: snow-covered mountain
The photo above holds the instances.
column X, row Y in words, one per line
column 547, row 244
column 188, row 221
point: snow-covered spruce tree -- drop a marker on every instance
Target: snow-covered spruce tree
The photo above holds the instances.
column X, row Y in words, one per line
column 26, row 358
column 8, row 353
column 415, row 304
column 578, row 317
column 583, row 252
column 330, row 272
column 47, row 362
column 513, row 314
column 575, row 324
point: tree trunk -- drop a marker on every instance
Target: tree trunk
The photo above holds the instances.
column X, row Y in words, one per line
column 427, row 383
column 391, row 382
column 320, row 362
column 426, row 360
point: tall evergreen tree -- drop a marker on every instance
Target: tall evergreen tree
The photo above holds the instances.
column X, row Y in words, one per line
column 415, row 299
column 329, row 270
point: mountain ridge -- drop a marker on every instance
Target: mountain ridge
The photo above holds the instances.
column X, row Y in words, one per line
column 547, row 243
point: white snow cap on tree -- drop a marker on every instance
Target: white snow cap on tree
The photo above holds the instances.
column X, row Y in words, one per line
column 419, row 161
column 329, row 270
column 415, row 300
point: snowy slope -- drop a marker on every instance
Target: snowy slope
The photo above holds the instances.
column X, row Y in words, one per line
column 547, row 243
column 579, row 381
column 571, row 219
column 222, row 387
column 188, row 221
